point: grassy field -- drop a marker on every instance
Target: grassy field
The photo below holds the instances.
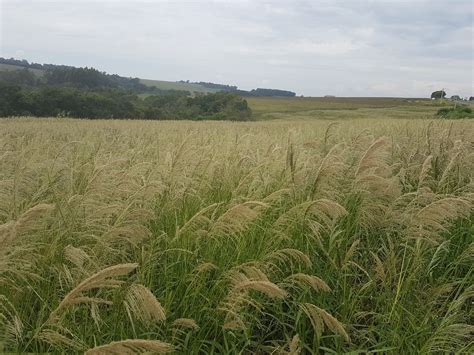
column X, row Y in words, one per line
column 172, row 85
column 304, row 235
column 342, row 108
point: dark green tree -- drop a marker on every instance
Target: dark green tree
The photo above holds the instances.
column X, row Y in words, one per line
column 440, row 94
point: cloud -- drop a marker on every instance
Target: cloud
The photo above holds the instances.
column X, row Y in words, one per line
column 360, row 47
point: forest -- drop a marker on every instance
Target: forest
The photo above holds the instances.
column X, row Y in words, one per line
column 66, row 91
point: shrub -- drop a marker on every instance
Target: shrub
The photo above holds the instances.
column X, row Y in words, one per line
column 456, row 112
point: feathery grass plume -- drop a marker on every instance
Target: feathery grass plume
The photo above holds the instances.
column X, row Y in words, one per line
column 132, row 346
column 327, row 210
column 375, row 184
column 432, row 219
column 410, row 202
column 440, row 251
column 318, row 316
column 425, row 169
column 276, row 196
column 243, row 278
column 455, row 338
column 266, row 287
column 185, row 323
column 76, row 256
column 291, row 159
column 328, row 135
column 291, row 347
column 27, row 222
column 294, row 346
column 451, row 164
column 379, row 268
column 237, row 218
column 309, row 280
column 7, row 234
column 251, row 270
column 323, row 210
column 133, row 233
column 467, row 256
column 373, row 158
column 101, row 279
column 234, row 324
column 453, row 333
column 349, row 254
column 197, row 222
column 244, row 186
column 326, row 178
column 12, row 324
column 312, row 313
column 287, row 257
column 32, row 218
column 205, row 267
column 61, row 337
column 142, row 305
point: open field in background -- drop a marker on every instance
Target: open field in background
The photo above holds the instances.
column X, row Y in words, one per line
column 265, row 108
column 171, row 85
column 220, row 237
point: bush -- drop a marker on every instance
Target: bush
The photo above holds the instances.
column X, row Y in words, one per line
column 54, row 101
column 456, row 112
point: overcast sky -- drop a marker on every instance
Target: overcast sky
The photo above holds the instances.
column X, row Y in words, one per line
column 343, row 48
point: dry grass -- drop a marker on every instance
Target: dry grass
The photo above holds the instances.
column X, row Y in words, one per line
column 221, row 237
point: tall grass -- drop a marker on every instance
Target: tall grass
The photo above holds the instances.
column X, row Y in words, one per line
column 282, row 237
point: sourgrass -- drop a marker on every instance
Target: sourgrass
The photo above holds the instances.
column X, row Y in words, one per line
column 220, row 237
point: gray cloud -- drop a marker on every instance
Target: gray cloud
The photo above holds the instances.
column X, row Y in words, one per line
column 346, row 48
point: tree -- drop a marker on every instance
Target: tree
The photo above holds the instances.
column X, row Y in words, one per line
column 471, row 98
column 440, row 94
column 455, row 97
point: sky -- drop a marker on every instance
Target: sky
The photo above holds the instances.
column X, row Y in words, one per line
column 315, row 48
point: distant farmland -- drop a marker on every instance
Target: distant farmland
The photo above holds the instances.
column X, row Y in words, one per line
column 172, row 85
column 265, row 108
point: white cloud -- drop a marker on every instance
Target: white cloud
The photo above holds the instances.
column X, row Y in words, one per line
column 312, row 47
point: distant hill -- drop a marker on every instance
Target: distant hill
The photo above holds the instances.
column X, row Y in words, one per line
column 137, row 84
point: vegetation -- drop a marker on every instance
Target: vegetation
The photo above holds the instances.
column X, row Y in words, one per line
column 267, row 92
column 456, row 112
column 87, row 93
column 441, row 94
column 332, row 108
column 265, row 237
column 82, row 78
column 194, row 89
column 14, row 71
column 254, row 92
column 213, row 86
column 65, row 101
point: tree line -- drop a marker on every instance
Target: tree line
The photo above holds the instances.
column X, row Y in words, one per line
column 89, row 93
column 54, row 101
column 252, row 93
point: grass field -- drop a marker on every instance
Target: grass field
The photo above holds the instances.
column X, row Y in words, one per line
column 304, row 235
column 172, row 85
column 342, row 108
